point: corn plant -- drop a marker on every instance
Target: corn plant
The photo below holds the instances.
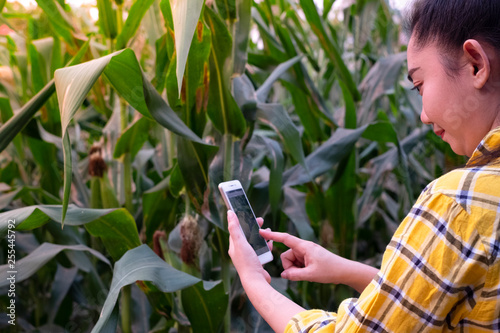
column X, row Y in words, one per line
column 123, row 128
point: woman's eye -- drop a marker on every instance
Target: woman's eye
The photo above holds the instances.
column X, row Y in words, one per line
column 417, row 88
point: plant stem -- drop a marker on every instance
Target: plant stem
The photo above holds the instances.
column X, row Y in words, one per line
column 127, row 179
column 228, row 157
column 225, row 262
column 126, row 309
column 226, row 277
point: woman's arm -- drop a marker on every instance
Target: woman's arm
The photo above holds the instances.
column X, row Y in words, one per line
column 308, row 261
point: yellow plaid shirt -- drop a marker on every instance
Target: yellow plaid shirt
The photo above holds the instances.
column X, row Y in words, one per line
column 441, row 270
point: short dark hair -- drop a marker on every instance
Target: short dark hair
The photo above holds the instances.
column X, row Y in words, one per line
column 452, row 22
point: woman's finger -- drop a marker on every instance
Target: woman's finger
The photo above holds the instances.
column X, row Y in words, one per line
column 288, row 259
column 260, row 221
column 233, row 226
column 282, row 237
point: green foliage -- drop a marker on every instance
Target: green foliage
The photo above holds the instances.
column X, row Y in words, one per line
column 309, row 111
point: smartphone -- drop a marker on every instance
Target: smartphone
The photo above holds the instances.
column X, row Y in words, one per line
column 236, row 200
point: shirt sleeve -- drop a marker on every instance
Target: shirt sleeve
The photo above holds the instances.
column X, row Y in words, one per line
column 431, row 275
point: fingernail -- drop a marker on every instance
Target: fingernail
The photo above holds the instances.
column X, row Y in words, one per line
column 284, row 275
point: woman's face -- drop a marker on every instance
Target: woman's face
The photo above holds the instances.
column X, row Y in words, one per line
column 458, row 112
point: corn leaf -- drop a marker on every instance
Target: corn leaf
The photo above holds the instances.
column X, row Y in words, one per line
column 140, row 264
column 116, row 227
column 332, row 51
column 241, row 33
column 205, row 304
column 15, row 124
column 222, row 108
column 74, row 83
column 134, row 137
column 193, row 164
column 107, row 18
column 28, row 265
column 324, row 157
column 58, row 19
column 134, row 18
column 276, row 117
column 185, row 15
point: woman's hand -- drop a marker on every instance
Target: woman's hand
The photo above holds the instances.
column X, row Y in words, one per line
column 274, row 307
column 308, row 261
column 305, row 260
column 241, row 252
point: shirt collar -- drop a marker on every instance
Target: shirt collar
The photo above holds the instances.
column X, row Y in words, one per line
column 490, row 142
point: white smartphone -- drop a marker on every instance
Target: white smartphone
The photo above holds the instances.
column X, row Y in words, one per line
column 236, row 200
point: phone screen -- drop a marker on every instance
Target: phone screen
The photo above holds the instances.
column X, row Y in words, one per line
column 241, row 207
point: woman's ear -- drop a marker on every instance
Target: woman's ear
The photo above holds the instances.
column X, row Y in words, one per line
column 477, row 62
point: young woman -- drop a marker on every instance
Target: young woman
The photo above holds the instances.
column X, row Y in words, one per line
column 441, row 270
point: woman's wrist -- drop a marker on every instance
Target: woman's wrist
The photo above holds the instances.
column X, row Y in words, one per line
column 357, row 275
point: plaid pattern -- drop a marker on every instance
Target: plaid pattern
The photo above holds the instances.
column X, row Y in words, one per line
column 441, row 270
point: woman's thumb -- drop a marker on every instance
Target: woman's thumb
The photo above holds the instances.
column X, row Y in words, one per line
column 292, row 274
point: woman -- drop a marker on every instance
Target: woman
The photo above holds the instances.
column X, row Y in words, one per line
column 441, row 270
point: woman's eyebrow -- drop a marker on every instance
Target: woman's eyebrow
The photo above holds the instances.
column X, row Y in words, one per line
column 410, row 73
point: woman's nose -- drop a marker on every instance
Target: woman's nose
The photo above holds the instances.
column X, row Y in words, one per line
column 424, row 118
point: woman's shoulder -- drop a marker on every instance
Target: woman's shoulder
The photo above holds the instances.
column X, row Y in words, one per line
column 473, row 194
column 468, row 185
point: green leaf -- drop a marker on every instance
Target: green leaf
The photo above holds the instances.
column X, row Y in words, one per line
column 305, row 108
column 63, row 280
column 118, row 235
column 222, row 108
column 5, row 114
column 141, row 264
column 294, row 207
column 332, row 51
column 166, row 11
column 241, row 33
column 325, row 156
column 227, row 9
column 116, row 227
column 383, row 164
column 195, row 86
column 28, row 265
column 193, row 163
column 41, row 54
column 342, row 197
column 205, row 304
column 275, row 154
column 134, row 137
column 276, row 117
column 160, row 208
column 45, row 155
column 74, row 83
column 134, row 18
column 350, row 108
column 107, row 18
column 7, row 198
column 5, row 109
column 185, row 15
column 379, row 81
column 15, row 124
column 162, row 62
column 58, row 19
column 265, row 88
column 382, row 132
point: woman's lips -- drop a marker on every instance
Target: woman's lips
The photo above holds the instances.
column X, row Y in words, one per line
column 440, row 133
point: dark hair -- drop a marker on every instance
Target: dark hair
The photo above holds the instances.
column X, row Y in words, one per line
column 452, row 22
